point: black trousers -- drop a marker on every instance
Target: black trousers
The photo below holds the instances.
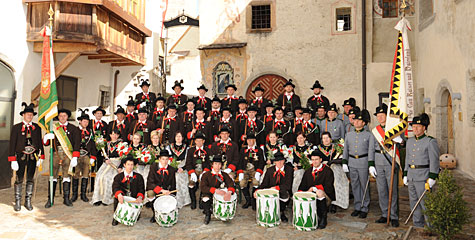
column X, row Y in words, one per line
column 26, row 162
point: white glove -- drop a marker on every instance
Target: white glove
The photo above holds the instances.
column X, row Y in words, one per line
column 39, row 162
column 74, row 162
column 241, row 176
column 345, row 168
column 143, row 104
column 257, row 176
column 431, row 182
column 193, row 177
column 91, row 161
column 48, row 136
column 372, row 171
column 14, row 165
column 228, row 170
column 404, row 180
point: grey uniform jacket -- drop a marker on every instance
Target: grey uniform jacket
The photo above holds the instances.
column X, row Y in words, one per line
column 335, row 127
column 422, row 158
column 358, row 144
column 379, row 158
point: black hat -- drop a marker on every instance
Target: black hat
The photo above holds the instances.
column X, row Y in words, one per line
column 252, row 108
column 200, row 135
column 321, row 105
column 258, row 88
column 143, row 110
column 422, row 119
column 383, row 108
column 289, row 82
column 64, row 110
column 28, row 108
column 298, row 108
column 350, row 101
column 354, row 110
column 199, row 109
column 332, row 108
column 190, row 100
column 231, row 85
column 119, row 110
column 99, row 109
column 363, row 115
column 318, row 153
column 159, row 98
column 278, row 108
column 250, row 136
column 202, row 87
column 84, row 115
column 216, row 99
column 144, row 82
column 217, row 158
column 317, row 85
column 171, row 106
column 306, row 110
column 242, row 100
column 278, row 156
column 178, row 84
column 269, row 104
column 226, row 109
column 225, row 129
column 130, row 158
column 131, row 101
column 164, row 153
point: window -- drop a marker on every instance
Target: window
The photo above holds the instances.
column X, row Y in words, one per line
column 67, row 88
column 261, row 17
column 134, row 7
column 104, row 95
column 343, row 19
column 390, row 8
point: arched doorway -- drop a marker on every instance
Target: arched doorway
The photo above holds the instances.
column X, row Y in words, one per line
column 446, row 125
column 7, row 91
column 450, row 126
column 273, row 85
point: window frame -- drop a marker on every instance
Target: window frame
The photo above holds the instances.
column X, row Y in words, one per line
column 396, row 8
column 255, row 3
column 353, row 22
column 61, row 96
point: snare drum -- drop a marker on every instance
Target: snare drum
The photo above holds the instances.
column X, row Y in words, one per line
column 166, row 212
column 268, row 208
column 224, row 210
column 305, row 211
column 128, row 212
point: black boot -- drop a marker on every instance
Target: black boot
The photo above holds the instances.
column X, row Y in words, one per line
column 114, row 222
column 28, row 195
column 192, row 192
column 253, row 200
column 322, row 210
column 200, row 205
column 17, row 206
column 152, row 220
column 247, row 196
column 66, row 191
column 283, row 218
column 92, row 185
column 332, row 208
column 75, row 187
column 84, row 189
column 51, row 201
column 207, row 210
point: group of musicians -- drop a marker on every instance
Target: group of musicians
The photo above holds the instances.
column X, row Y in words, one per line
column 224, row 144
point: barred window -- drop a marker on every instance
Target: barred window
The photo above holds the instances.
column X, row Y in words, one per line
column 67, row 88
column 343, row 19
column 390, row 8
column 261, row 17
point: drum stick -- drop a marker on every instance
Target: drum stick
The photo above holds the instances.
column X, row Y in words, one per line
column 159, row 195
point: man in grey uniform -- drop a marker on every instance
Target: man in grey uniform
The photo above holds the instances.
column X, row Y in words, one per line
column 422, row 165
column 348, row 104
column 382, row 172
column 332, row 124
column 358, row 154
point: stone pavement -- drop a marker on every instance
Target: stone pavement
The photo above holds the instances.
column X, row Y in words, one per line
column 84, row 221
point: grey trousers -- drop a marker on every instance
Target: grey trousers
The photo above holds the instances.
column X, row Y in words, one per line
column 416, row 188
column 359, row 178
column 383, row 180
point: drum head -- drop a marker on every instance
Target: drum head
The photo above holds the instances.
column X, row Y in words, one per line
column 129, row 200
column 267, row 192
column 165, row 204
column 221, row 198
column 305, row 195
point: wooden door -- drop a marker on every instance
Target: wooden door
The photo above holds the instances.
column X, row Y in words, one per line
column 450, row 126
column 272, row 84
column 7, row 97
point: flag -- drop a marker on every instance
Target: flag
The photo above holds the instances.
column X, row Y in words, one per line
column 401, row 89
column 47, row 108
column 164, row 8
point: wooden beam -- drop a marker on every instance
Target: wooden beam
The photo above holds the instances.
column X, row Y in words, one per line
column 101, row 56
column 67, row 47
column 124, row 64
column 73, row 1
column 115, row 60
column 132, row 20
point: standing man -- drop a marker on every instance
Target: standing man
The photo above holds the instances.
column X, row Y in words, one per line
column 214, row 113
column 252, row 125
column 67, row 132
column 229, row 150
column 288, row 100
column 260, row 101
column 170, row 125
column 131, row 115
column 178, row 98
column 310, row 130
column 143, row 126
column 421, row 167
column 333, row 125
column 25, row 153
column 358, row 155
column 197, row 162
column 188, row 116
column 231, row 101
column 201, row 100
column 119, row 124
column 199, row 125
column 252, row 164
column 145, row 99
column 348, row 104
column 158, row 111
column 317, row 98
column 282, row 127
column 320, row 115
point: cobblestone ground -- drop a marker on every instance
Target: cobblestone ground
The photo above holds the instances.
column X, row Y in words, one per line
column 84, row 221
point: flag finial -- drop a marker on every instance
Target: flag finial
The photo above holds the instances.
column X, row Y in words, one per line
column 50, row 13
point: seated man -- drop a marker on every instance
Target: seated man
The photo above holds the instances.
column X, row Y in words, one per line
column 127, row 183
column 215, row 182
column 319, row 179
column 161, row 179
column 279, row 177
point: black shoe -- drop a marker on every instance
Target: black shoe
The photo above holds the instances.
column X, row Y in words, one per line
column 247, row 196
column 28, row 195
column 17, row 206
column 394, row 223
column 66, row 191
column 247, row 204
column 84, row 189
column 114, row 222
column 97, row 204
column 283, row 218
column 332, row 208
column 355, row 213
column 322, row 210
column 382, row 220
column 253, row 204
column 75, row 187
column 192, row 192
column 148, row 205
column 152, row 220
column 207, row 219
column 51, row 201
column 363, row 214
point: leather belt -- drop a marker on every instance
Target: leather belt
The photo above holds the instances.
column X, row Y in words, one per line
column 359, row 156
column 419, row 166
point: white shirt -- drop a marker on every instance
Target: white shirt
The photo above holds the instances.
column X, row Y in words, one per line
column 129, row 175
column 225, row 142
column 226, row 120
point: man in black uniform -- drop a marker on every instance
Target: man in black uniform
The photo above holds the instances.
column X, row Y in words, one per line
column 120, row 123
column 197, row 161
column 142, row 126
column 260, row 101
column 289, row 100
column 251, row 163
column 130, row 115
column 317, row 98
column 159, row 111
column 25, row 152
column 252, row 125
column 178, row 98
column 145, row 99
column 201, row 100
column 230, row 101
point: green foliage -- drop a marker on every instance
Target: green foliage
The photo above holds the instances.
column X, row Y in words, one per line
column 445, row 208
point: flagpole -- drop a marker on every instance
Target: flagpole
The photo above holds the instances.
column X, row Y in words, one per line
column 51, row 13
column 393, row 166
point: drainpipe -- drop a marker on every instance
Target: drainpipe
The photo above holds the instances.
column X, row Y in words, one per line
column 114, row 92
column 363, row 49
